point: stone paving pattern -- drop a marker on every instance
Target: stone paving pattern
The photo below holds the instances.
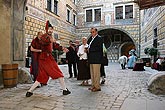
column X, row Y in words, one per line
column 123, row 90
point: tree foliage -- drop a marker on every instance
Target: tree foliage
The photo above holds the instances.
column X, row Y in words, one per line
column 151, row 51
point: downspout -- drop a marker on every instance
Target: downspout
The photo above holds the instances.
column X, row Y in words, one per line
column 139, row 32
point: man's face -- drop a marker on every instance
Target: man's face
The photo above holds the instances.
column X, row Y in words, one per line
column 50, row 30
column 70, row 43
column 93, row 32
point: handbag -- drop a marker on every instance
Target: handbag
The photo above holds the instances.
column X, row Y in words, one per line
column 105, row 59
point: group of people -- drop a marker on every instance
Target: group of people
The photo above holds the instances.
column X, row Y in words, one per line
column 43, row 64
column 83, row 57
column 89, row 56
column 130, row 61
column 77, row 57
column 160, row 62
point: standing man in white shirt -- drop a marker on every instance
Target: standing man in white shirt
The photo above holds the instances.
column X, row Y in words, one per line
column 95, row 58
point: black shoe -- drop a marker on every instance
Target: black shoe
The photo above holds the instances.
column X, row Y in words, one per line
column 38, row 86
column 66, row 92
column 43, row 84
column 28, row 94
column 103, row 82
column 70, row 76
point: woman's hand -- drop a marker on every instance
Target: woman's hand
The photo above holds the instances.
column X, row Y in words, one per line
column 65, row 50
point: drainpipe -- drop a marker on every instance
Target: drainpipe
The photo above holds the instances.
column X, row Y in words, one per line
column 139, row 31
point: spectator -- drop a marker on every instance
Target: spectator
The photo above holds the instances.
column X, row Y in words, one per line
column 83, row 68
column 71, row 58
column 102, row 71
column 131, row 60
column 95, row 57
column 123, row 61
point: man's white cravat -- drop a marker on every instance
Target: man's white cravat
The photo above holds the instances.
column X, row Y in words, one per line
column 91, row 41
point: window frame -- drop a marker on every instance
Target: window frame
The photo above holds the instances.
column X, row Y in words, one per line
column 93, row 14
column 68, row 15
column 124, row 11
column 75, row 1
column 74, row 19
column 50, row 3
column 55, row 10
column 86, row 15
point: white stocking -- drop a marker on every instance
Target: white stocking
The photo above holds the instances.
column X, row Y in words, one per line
column 36, row 83
column 62, row 83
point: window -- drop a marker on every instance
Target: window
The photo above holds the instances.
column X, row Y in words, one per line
column 124, row 12
column 128, row 11
column 119, row 12
column 49, row 5
column 74, row 1
column 52, row 6
column 56, row 36
column 68, row 15
column 93, row 15
column 55, row 6
column 74, row 19
column 145, row 38
column 97, row 14
column 155, row 40
column 89, row 15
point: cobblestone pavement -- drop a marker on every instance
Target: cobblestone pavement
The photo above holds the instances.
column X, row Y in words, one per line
column 123, row 90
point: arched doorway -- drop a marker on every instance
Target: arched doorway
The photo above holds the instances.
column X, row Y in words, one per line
column 117, row 43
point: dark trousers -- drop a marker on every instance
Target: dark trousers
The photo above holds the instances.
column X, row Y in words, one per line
column 123, row 66
column 74, row 69
column 102, row 71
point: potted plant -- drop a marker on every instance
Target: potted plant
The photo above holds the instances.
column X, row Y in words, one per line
column 56, row 54
column 146, row 51
column 153, row 52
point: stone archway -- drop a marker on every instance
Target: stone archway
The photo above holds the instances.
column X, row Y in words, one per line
column 117, row 43
column 125, row 48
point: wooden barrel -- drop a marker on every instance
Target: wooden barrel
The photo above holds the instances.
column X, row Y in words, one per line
column 10, row 75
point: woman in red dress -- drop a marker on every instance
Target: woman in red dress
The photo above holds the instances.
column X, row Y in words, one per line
column 35, row 52
column 47, row 65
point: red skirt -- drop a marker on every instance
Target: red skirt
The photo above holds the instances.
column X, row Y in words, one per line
column 48, row 68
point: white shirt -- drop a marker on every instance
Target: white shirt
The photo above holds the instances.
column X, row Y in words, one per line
column 159, row 61
column 81, row 53
column 122, row 59
column 91, row 41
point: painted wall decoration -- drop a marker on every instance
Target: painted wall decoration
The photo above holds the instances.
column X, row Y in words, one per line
column 18, row 29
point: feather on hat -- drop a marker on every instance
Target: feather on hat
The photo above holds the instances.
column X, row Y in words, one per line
column 48, row 25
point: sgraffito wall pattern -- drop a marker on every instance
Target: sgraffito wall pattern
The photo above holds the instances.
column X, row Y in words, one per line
column 18, row 29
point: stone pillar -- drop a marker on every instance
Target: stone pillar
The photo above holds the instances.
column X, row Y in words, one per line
column 5, row 31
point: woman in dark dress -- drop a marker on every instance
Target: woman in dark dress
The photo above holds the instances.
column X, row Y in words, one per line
column 83, row 68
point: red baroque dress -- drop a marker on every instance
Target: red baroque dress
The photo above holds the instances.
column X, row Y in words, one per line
column 47, row 64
